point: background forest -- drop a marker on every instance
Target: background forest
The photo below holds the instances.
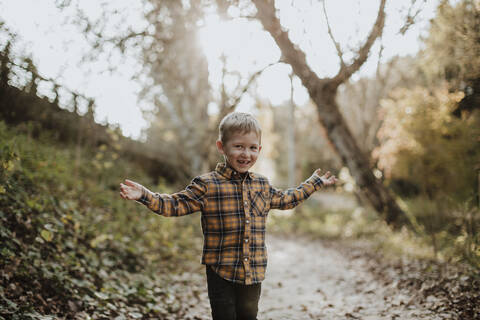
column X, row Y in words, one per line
column 404, row 138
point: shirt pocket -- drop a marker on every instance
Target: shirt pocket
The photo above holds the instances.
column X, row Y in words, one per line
column 260, row 203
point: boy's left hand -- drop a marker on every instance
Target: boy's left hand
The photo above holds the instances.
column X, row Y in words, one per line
column 327, row 178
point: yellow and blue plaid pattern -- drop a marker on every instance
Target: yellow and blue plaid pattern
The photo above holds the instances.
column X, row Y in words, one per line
column 234, row 210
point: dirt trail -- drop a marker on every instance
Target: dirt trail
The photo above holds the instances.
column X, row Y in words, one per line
column 307, row 280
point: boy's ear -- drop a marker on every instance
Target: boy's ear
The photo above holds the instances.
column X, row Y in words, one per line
column 220, row 147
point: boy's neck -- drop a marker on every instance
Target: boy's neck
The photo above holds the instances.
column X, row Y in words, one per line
column 242, row 175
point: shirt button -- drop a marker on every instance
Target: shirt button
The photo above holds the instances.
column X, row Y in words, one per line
column 246, row 259
column 247, row 221
column 246, row 240
column 246, row 203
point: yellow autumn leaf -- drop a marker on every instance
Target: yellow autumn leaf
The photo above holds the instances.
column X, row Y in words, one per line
column 9, row 166
column 46, row 235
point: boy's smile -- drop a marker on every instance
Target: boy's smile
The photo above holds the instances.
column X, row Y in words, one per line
column 241, row 150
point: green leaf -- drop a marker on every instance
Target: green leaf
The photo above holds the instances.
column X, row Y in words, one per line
column 46, row 235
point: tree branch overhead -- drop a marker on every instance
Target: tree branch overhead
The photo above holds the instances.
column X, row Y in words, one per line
column 346, row 72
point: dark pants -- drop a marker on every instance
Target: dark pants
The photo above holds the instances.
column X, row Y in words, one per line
column 232, row 301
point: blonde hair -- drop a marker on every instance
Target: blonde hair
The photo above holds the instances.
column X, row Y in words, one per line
column 238, row 122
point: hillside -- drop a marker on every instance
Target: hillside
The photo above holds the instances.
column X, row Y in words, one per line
column 70, row 244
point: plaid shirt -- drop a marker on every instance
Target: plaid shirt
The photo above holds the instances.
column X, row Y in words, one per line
column 234, row 212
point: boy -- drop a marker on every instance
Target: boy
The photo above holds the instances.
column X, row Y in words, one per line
column 234, row 204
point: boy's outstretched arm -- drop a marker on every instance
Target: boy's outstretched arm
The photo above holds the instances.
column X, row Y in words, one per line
column 181, row 203
column 292, row 197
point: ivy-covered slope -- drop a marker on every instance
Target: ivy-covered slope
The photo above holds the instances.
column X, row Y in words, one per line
column 71, row 246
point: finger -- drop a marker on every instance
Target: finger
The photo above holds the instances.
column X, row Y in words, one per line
column 130, row 183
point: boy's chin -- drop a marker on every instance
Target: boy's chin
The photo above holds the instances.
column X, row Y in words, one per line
column 243, row 169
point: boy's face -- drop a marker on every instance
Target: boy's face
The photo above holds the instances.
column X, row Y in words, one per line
column 241, row 150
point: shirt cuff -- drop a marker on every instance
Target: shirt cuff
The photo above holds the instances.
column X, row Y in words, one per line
column 316, row 180
column 145, row 199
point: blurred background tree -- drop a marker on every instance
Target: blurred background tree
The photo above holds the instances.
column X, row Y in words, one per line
column 430, row 134
column 174, row 78
column 424, row 144
column 176, row 83
column 452, row 51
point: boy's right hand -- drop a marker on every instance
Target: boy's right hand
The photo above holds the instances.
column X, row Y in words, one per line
column 130, row 190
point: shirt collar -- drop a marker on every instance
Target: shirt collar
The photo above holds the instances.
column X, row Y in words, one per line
column 228, row 172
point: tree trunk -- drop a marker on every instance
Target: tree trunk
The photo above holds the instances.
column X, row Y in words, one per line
column 323, row 93
column 354, row 159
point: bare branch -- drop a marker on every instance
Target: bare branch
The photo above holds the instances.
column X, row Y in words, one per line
column 330, row 33
column 362, row 54
column 411, row 17
column 291, row 54
column 237, row 99
column 223, row 92
column 226, row 108
column 380, row 54
column 28, row 66
column 121, row 41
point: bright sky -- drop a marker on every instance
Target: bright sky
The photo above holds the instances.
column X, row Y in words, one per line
column 57, row 48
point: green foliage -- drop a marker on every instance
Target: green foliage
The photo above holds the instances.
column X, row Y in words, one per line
column 452, row 47
column 449, row 228
column 357, row 224
column 450, row 236
column 71, row 245
column 326, row 224
column 424, row 144
column 429, row 157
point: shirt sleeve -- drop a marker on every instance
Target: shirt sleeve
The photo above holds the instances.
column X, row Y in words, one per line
column 187, row 201
column 293, row 197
